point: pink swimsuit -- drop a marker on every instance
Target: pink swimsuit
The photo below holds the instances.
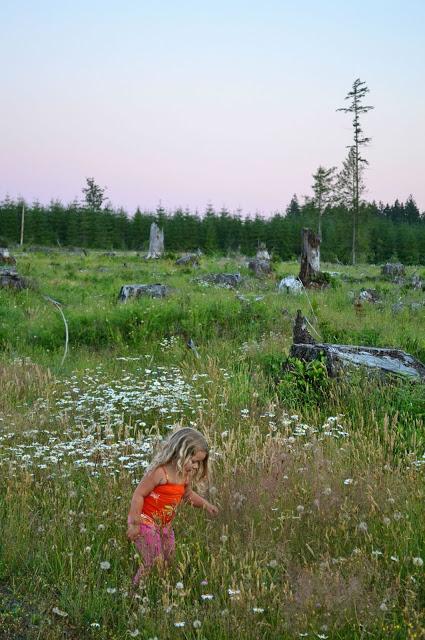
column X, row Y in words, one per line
column 156, row 538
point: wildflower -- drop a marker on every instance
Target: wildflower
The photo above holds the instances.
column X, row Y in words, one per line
column 348, row 481
column 397, row 515
column 224, row 538
column 179, row 585
column 383, row 607
column 376, row 553
column 197, row 624
column 95, row 625
column 111, row 590
column 257, row 610
column 327, row 491
column 179, row 625
column 386, row 521
column 207, row 596
column 362, row 527
column 100, row 527
column 273, row 564
column 394, row 558
column 418, row 562
column 233, row 592
column 59, row 612
column 300, row 509
column 134, row 634
column 105, row 565
column 224, row 434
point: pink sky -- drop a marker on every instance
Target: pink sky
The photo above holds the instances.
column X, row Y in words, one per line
column 234, row 104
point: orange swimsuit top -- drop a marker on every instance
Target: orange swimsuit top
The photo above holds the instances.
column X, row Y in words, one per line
column 159, row 507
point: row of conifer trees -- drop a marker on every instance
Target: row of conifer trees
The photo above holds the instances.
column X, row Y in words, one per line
column 385, row 232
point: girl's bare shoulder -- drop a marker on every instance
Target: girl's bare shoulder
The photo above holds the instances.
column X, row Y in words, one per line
column 154, row 476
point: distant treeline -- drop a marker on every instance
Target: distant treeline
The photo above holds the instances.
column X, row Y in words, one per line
column 385, row 232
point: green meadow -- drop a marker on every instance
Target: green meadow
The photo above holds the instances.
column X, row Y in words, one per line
column 319, row 481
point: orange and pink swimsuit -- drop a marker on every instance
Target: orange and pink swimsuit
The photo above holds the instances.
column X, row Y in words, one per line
column 159, row 507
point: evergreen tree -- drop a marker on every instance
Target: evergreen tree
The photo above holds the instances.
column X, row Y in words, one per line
column 94, row 195
column 356, row 96
column 323, row 189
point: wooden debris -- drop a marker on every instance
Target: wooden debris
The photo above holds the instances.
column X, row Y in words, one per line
column 339, row 356
column 9, row 278
column 136, row 290
column 190, row 259
column 230, row 280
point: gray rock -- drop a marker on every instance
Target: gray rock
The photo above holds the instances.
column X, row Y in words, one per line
column 369, row 295
column 291, row 284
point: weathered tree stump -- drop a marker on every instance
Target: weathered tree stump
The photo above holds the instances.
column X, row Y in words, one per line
column 393, row 269
column 310, row 259
column 190, row 259
column 5, row 257
column 260, row 267
column 339, row 356
column 300, row 333
column 261, row 264
column 230, row 280
column 128, row 291
column 262, row 253
column 156, row 242
column 10, row 279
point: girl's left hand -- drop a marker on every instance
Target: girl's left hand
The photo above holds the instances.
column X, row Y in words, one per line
column 211, row 509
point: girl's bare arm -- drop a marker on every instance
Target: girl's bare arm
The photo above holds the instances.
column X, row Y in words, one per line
column 198, row 501
column 143, row 489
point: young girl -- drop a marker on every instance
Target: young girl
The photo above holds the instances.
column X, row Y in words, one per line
column 183, row 457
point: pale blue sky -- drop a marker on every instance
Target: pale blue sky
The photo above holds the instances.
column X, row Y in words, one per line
column 232, row 103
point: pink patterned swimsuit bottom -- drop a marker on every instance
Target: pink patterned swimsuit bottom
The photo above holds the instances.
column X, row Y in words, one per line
column 154, row 542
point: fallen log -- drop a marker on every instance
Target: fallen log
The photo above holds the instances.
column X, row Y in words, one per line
column 136, row 290
column 10, row 279
column 339, row 356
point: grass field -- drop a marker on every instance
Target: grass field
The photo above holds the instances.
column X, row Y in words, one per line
column 320, row 482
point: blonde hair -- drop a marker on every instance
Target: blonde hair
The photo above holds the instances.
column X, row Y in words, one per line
column 179, row 447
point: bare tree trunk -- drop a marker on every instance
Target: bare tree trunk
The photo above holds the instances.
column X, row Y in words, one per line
column 22, row 225
column 310, row 257
column 156, row 242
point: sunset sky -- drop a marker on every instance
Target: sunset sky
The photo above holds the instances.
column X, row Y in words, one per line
column 227, row 102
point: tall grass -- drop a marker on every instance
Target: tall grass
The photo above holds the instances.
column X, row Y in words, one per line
column 320, row 529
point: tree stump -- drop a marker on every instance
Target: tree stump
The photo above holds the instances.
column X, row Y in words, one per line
column 10, row 279
column 259, row 266
column 310, row 258
column 156, row 242
column 393, row 269
column 5, row 257
column 339, row 356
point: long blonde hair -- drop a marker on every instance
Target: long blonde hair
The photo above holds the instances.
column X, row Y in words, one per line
column 179, row 447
